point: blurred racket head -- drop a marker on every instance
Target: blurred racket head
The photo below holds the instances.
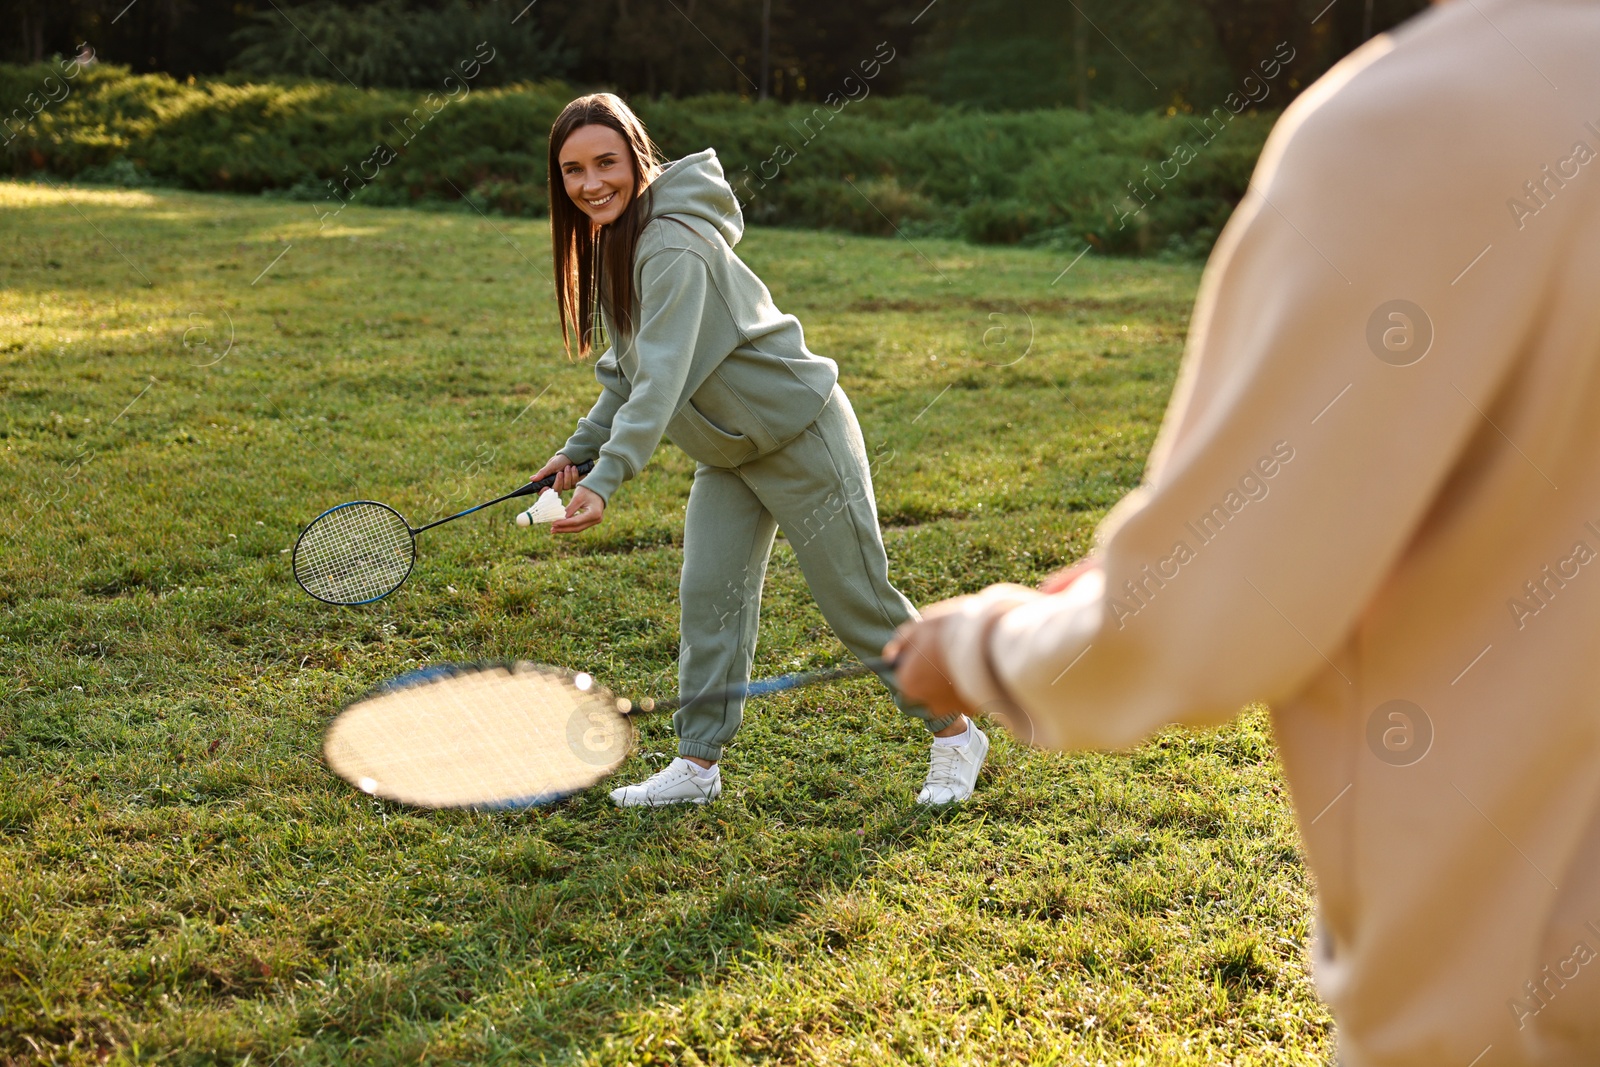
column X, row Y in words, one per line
column 355, row 553
column 495, row 735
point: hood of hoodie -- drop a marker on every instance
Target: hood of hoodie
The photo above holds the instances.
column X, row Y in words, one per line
column 694, row 185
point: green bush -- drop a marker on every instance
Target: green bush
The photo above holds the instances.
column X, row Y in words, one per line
column 1005, row 221
column 876, row 165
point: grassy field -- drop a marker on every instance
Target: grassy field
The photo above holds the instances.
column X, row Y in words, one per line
column 186, row 379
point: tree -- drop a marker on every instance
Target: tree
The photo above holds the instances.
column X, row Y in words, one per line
column 1320, row 33
column 1017, row 54
column 392, row 43
column 181, row 37
column 685, row 47
column 1181, row 55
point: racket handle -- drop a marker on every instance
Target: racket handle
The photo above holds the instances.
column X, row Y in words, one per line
column 527, row 490
column 547, row 481
column 782, row 683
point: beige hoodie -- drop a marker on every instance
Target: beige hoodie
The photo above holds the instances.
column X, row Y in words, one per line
column 1375, row 505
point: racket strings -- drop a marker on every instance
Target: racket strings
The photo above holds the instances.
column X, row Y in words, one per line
column 355, row 553
column 480, row 738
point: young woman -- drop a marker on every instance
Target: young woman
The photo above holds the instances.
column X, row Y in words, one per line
column 698, row 353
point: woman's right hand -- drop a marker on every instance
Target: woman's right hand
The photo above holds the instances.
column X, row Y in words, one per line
column 563, row 468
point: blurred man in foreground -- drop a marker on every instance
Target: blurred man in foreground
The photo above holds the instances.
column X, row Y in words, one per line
column 1375, row 505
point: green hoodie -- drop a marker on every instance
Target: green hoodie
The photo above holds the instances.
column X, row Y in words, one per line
column 712, row 365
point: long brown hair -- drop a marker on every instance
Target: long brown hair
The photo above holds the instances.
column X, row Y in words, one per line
column 592, row 261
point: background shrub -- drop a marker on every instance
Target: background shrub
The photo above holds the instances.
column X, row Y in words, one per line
column 877, row 165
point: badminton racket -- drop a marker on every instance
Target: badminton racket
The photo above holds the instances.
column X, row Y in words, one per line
column 362, row 551
column 504, row 735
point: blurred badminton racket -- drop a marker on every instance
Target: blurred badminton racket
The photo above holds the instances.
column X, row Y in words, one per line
column 503, row 735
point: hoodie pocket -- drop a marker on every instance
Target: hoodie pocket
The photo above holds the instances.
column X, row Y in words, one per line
column 729, row 409
column 706, row 442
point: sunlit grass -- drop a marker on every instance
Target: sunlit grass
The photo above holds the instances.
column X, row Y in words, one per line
column 181, row 881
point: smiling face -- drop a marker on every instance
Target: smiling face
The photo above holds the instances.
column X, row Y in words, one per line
column 597, row 171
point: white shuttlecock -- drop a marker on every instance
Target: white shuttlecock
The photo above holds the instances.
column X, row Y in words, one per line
column 548, row 508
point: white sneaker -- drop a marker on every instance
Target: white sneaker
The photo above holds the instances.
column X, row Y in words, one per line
column 953, row 769
column 676, row 783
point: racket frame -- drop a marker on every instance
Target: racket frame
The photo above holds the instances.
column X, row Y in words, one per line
column 439, row 672
column 340, row 507
column 527, row 489
column 626, row 711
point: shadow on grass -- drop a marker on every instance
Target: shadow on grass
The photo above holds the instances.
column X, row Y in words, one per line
column 584, row 914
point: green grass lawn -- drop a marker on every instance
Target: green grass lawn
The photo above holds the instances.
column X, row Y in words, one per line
column 182, row 882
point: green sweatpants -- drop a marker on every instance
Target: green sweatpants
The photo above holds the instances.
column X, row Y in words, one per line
column 818, row 489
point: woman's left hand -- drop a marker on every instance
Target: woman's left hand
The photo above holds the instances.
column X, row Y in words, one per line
column 585, row 510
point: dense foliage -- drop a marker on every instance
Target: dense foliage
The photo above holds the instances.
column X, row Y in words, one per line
column 390, row 43
column 862, row 162
column 1004, row 54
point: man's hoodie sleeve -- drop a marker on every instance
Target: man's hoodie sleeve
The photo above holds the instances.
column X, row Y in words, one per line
column 674, row 285
column 1293, row 468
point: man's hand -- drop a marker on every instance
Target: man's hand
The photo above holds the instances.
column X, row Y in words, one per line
column 585, row 510
column 920, row 669
column 1065, row 577
column 917, row 648
column 566, row 473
